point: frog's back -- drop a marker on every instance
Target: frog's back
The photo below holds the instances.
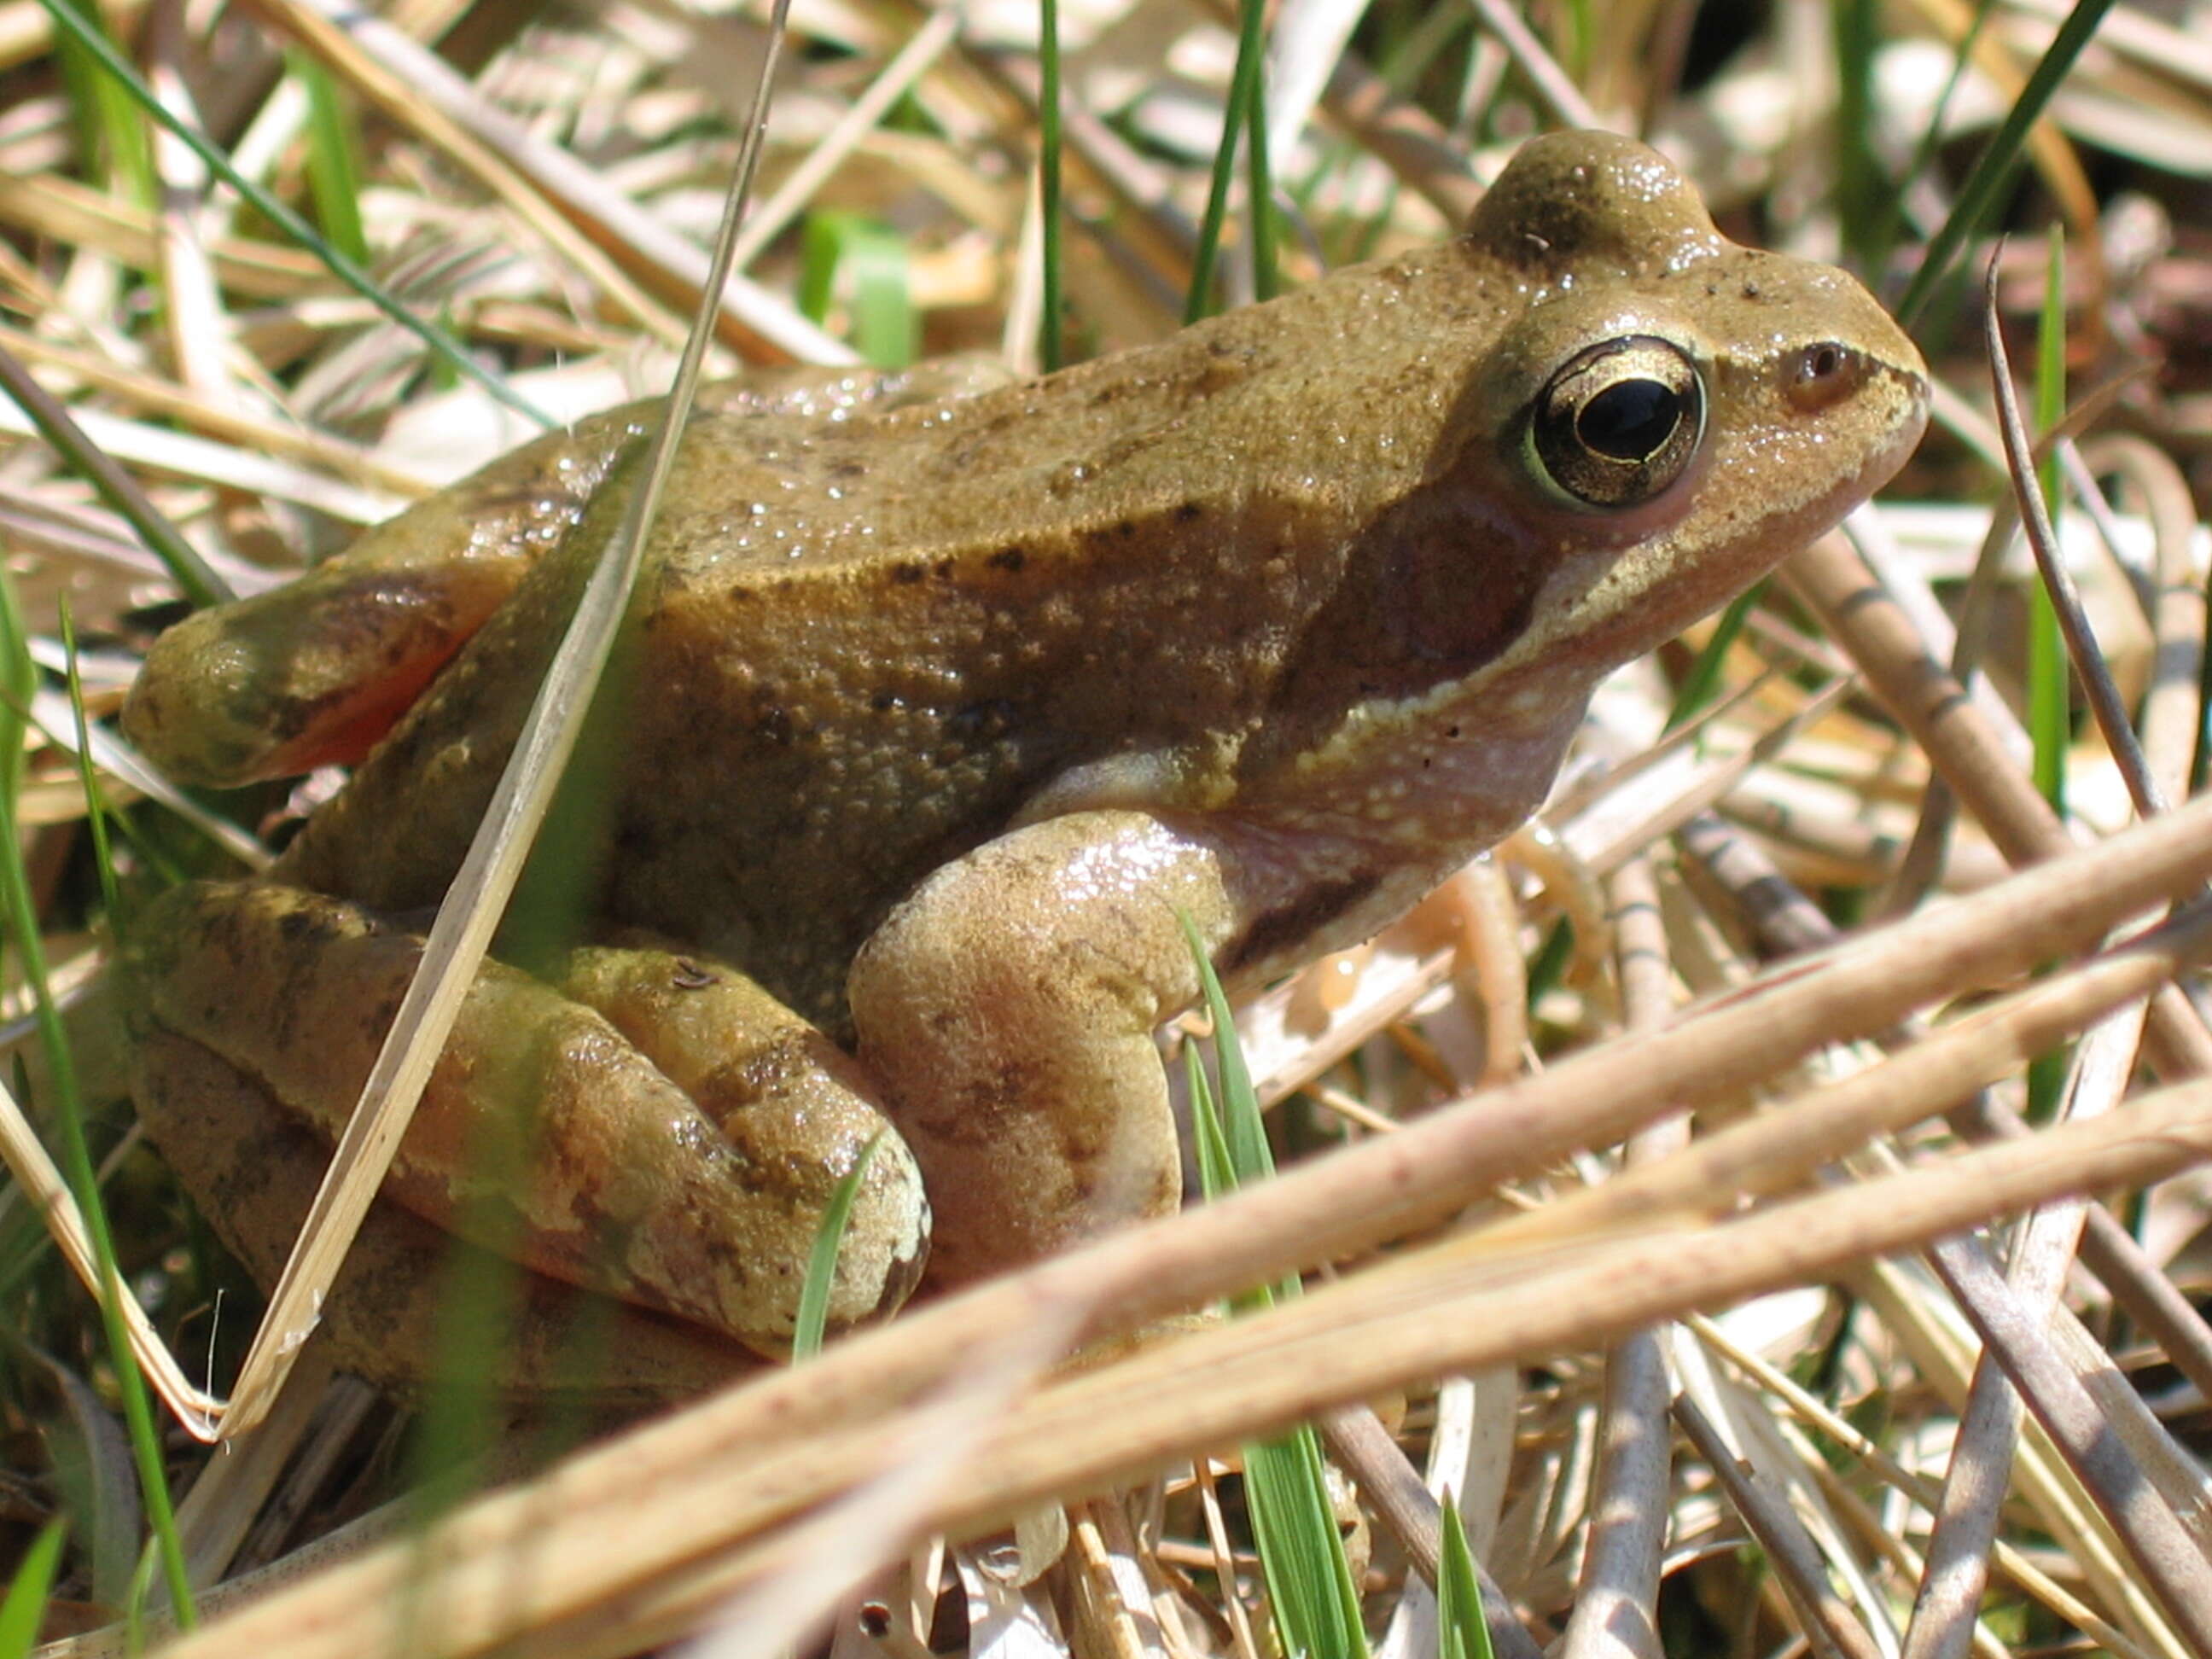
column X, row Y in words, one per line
column 871, row 643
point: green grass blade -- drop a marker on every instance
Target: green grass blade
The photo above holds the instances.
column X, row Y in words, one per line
column 1309, row 1586
column 1550, row 963
column 96, row 805
column 116, row 488
column 1703, row 681
column 1217, row 1171
column 108, row 128
column 1923, row 152
column 2049, row 700
column 442, row 345
column 822, row 1263
column 20, row 677
column 1993, row 173
column 1460, row 1631
column 886, row 327
column 2050, row 681
column 1861, row 190
column 25, row 1605
column 1049, row 209
column 1236, row 119
column 869, row 261
column 1260, row 183
column 1300, row 1553
column 333, row 157
column 1246, row 1131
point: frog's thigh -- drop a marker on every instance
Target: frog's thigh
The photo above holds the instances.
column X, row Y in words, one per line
column 613, row 1177
column 1007, row 1008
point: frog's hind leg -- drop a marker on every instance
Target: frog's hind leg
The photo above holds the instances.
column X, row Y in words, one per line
column 617, row 1174
column 253, row 1168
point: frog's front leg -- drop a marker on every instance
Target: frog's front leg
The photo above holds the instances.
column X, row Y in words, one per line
column 1007, row 1008
column 654, row 1126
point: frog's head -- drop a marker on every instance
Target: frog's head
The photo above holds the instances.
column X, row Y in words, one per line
column 1659, row 416
column 1667, row 414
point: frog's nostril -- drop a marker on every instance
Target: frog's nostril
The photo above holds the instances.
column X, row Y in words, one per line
column 1822, row 373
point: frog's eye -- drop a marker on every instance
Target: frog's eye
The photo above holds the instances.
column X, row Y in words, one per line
column 1619, row 423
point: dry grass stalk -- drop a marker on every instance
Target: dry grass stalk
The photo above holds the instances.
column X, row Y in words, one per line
column 668, row 1522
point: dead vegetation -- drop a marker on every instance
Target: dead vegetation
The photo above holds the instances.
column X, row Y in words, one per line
column 1657, row 1257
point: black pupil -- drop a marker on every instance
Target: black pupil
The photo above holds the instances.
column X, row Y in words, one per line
column 1629, row 420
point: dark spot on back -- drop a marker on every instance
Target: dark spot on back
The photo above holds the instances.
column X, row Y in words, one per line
column 984, row 722
column 1009, row 558
column 296, row 925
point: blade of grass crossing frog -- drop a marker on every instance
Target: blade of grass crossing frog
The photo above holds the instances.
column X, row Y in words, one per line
column 462, row 932
column 477, row 1292
column 813, row 1316
column 24, row 1607
column 441, row 344
column 20, row 675
column 333, row 153
column 1317, row 1606
column 1460, row 1631
column 1993, row 172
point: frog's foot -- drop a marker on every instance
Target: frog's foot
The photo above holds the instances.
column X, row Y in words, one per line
column 254, row 1169
column 676, row 1149
column 1007, row 1008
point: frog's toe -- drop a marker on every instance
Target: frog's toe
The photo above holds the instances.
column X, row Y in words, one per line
column 794, row 1109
